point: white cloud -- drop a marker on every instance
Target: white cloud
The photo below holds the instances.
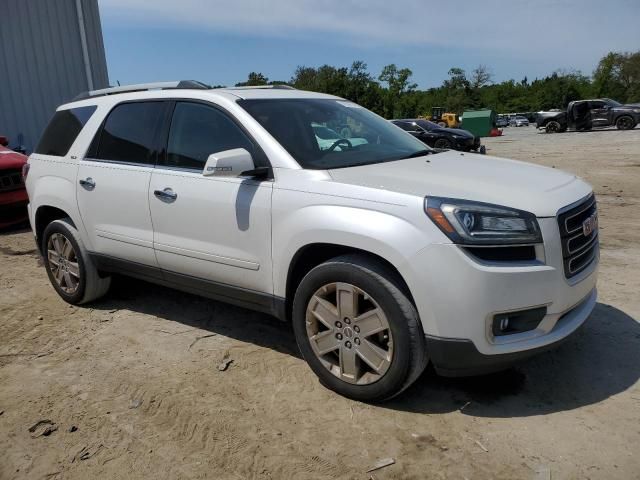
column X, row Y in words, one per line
column 570, row 30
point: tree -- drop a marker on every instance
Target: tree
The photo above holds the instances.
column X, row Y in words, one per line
column 618, row 76
column 480, row 77
column 398, row 88
column 254, row 79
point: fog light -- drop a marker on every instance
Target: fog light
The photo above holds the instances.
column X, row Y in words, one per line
column 504, row 323
column 508, row 323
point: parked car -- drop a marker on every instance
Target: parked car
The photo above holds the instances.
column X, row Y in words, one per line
column 586, row 114
column 502, row 122
column 437, row 136
column 519, row 121
column 13, row 195
column 384, row 256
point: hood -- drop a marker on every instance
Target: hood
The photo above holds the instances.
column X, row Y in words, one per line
column 454, row 131
column 536, row 189
column 10, row 159
column 629, row 106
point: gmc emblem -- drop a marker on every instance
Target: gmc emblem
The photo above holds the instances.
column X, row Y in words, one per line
column 590, row 225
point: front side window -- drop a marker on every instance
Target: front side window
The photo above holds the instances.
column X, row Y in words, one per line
column 63, row 129
column 199, row 130
column 352, row 135
column 129, row 133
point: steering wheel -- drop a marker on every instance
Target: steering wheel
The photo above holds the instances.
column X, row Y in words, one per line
column 338, row 142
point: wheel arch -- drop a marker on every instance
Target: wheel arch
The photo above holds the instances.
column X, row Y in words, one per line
column 311, row 255
column 44, row 215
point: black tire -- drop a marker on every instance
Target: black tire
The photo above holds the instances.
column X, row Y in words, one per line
column 443, row 143
column 90, row 285
column 553, row 127
column 625, row 122
column 409, row 353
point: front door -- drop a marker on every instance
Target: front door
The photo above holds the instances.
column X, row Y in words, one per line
column 113, row 183
column 216, row 229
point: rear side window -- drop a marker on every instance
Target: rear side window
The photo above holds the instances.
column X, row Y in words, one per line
column 63, row 130
column 129, row 133
column 197, row 131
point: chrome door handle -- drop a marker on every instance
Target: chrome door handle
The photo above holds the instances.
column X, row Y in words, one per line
column 88, row 183
column 166, row 195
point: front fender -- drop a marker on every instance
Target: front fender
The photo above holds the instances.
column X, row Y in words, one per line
column 383, row 234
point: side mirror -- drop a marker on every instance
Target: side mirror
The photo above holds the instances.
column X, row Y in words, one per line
column 229, row 163
column 4, row 141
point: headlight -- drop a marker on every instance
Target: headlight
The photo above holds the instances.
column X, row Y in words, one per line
column 636, row 110
column 476, row 223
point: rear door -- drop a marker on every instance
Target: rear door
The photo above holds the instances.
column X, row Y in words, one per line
column 113, row 182
column 216, row 229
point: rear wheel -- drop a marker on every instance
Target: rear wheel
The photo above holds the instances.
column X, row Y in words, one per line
column 442, row 143
column 553, row 127
column 625, row 122
column 357, row 330
column 69, row 267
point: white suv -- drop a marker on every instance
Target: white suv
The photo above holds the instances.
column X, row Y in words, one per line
column 384, row 254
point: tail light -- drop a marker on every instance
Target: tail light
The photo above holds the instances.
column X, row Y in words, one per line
column 25, row 171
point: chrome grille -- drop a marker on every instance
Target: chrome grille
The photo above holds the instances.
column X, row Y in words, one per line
column 10, row 180
column 579, row 246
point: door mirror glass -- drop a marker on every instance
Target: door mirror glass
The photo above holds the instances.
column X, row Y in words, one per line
column 229, row 163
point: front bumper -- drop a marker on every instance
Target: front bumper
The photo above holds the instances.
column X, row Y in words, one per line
column 466, row 144
column 457, row 297
column 13, row 207
column 455, row 357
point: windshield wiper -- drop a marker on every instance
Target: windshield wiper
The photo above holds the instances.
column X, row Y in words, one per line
column 419, row 153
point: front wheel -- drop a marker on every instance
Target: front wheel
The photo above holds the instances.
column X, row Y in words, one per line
column 443, row 143
column 69, row 267
column 625, row 123
column 357, row 329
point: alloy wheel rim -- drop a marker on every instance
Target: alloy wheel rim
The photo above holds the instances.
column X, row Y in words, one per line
column 63, row 263
column 625, row 123
column 349, row 333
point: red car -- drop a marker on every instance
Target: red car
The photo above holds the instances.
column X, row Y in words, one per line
column 13, row 195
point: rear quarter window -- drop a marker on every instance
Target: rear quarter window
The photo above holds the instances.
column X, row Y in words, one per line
column 63, row 129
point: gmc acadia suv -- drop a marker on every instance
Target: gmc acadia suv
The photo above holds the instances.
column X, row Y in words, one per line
column 383, row 253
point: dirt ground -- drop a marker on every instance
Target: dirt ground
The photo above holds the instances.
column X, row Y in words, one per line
column 137, row 388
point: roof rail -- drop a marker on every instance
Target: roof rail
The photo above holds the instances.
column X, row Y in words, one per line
column 192, row 84
column 262, row 87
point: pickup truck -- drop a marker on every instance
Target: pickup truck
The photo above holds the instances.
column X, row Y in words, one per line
column 586, row 114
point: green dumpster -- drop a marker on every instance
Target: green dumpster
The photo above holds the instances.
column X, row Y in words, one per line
column 479, row 122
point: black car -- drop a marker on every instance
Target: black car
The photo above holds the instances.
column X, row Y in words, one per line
column 440, row 137
column 586, row 114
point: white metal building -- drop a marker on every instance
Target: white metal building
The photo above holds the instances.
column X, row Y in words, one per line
column 50, row 50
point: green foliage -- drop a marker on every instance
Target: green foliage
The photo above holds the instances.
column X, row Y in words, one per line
column 393, row 94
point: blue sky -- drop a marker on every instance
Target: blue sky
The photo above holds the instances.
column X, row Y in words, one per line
column 220, row 42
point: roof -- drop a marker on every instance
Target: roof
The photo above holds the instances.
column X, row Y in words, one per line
column 477, row 114
column 255, row 92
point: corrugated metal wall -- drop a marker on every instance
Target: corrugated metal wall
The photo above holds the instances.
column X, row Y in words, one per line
column 42, row 62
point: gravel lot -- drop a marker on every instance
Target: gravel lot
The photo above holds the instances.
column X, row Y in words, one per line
column 140, row 376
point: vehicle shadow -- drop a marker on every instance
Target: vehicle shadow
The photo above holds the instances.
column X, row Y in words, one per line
column 601, row 360
column 199, row 312
column 595, row 129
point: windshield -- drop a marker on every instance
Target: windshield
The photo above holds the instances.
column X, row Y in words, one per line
column 326, row 133
column 427, row 125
